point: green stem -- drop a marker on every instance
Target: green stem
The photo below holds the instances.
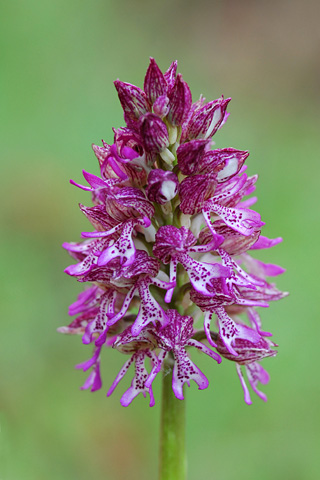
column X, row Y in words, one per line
column 172, row 431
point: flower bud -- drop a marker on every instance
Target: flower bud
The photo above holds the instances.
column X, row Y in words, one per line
column 161, row 106
column 154, row 133
column 155, row 84
column 189, row 155
column 180, row 102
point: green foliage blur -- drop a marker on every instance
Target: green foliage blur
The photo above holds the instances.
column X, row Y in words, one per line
column 58, row 62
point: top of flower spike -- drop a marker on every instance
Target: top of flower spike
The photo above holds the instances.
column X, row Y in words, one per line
column 168, row 96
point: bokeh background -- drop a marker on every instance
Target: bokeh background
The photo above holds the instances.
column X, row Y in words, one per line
column 58, row 62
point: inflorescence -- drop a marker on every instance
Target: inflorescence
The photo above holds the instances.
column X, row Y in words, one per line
column 170, row 245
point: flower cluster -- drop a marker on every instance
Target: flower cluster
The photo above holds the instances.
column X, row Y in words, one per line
column 170, row 244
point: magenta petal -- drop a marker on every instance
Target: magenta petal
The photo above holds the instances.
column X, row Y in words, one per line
column 156, row 368
column 94, row 181
column 89, row 363
column 150, row 310
column 261, row 269
column 229, row 331
column 247, row 398
column 83, row 267
column 206, row 326
column 255, row 321
column 201, row 274
column 120, row 375
column 126, row 303
column 256, row 374
column 243, row 221
column 264, row 242
column 84, row 300
column 204, row 349
column 185, row 370
column 88, row 189
column 123, row 247
column 138, row 382
column 94, row 379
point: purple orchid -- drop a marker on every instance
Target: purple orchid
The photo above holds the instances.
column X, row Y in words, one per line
column 248, row 354
column 173, row 231
column 172, row 341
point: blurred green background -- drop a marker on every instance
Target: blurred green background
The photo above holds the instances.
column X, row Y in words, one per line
column 58, row 62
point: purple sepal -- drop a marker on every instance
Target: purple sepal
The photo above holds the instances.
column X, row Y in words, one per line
column 225, row 163
column 94, row 181
column 98, row 217
column 154, row 133
column 189, row 155
column 143, row 264
column 261, row 269
column 194, row 191
column 206, row 121
column 133, row 101
column 180, row 100
column 155, row 84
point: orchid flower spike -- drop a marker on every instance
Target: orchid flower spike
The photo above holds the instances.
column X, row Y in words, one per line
column 170, row 244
